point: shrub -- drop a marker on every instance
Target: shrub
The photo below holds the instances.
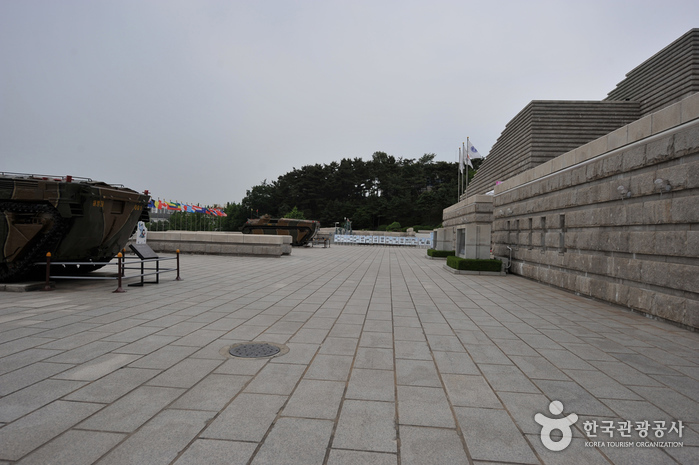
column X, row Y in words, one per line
column 395, row 226
column 471, row 264
column 440, row 253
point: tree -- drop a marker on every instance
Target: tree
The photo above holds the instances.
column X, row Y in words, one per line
column 371, row 193
column 296, row 214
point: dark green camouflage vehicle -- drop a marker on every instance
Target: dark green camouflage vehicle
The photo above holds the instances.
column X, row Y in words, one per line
column 301, row 231
column 76, row 219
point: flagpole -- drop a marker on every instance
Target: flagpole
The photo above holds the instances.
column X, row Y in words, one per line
column 468, row 142
column 458, row 175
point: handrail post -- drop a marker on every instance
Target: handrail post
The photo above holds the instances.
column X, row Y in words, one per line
column 178, row 266
column 123, row 268
column 47, row 284
column 119, row 288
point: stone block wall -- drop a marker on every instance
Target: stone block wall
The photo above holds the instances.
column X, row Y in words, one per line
column 470, row 222
column 545, row 129
column 616, row 219
column 665, row 78
column 219, row 243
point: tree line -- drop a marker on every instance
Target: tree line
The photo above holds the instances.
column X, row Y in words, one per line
column 372, row 194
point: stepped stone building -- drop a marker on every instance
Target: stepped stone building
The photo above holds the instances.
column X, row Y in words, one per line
column 545, row 129
column 600, row 198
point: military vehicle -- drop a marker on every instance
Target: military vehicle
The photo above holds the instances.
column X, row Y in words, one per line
column 301, row 231
column 76, row 219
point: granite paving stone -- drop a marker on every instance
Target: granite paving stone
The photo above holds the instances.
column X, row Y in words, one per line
column 431, row 446
column 276, row 378
column 329, row 367
column 186, row 373
column 355, row 457
column 315, row 399
column 455, row 362
column 26, row 400
column 114, row 385
column 247, row 418
column 470, row 391
column 417, row 373
column 507, row 378
column 296, row 441
column 212, row 393
column 131, row 411
column 366, row 425
column 98, row 367
column 23, row 377
column 491, row 435
column 75, row 447
column 424, row 406
column 391, row 360
column 378, row 359
column 367, row 384
column 28, row 433
column 159, row 440
column 215, row 452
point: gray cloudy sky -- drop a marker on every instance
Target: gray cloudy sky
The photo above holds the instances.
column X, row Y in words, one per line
column 200, row 100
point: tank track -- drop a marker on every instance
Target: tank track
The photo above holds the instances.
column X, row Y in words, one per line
column 47, row 242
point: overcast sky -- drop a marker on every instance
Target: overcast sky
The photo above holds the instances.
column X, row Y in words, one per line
column 199, row 101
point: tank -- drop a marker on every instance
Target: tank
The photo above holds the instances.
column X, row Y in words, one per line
column 301, row 231
column 76, row 219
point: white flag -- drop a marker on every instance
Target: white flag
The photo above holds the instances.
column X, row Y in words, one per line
column 472, row 152
column 461, row 161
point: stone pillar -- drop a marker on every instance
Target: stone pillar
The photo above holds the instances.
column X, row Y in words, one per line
column 471, row 219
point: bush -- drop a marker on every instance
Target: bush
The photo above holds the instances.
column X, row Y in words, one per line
column 471, row 264
column 440, row 253
column 395, row 226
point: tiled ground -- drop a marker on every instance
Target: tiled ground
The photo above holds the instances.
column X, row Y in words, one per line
column 392, row 360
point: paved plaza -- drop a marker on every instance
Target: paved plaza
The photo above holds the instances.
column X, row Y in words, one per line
column 392, row 360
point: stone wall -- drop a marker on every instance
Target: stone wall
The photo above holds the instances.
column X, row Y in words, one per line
column 616, row 219
column 470, row 222
column 665, row 78
column 545, row 129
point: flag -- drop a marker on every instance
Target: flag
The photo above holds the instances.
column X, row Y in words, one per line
column 472, row 152
column 461, row 161
column 198, row 209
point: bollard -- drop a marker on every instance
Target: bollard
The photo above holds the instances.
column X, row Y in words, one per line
column 119, row 288
column 47, row 284
column 178, row 266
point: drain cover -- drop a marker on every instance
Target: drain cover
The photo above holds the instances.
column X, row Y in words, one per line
column 254, row 350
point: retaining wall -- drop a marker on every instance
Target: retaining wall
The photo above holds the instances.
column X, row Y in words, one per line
column 616, row 219
column 224, row 243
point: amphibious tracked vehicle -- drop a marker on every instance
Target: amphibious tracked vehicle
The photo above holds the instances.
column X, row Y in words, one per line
column 75, row 219
column 301, row 231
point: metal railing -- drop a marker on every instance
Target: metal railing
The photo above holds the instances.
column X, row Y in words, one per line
column 121, row 265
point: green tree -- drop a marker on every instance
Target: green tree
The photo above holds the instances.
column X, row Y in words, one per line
column 296, row 214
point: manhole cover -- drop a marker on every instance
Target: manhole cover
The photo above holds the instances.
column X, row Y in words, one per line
column 254, row 350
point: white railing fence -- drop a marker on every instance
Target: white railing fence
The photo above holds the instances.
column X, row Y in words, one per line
column 412, row 241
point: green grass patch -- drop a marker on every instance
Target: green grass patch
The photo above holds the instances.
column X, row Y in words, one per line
column 474, row 264
column 440, row 253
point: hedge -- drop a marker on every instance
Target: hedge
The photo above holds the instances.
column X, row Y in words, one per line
column 440, row 253
column 471, row 264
